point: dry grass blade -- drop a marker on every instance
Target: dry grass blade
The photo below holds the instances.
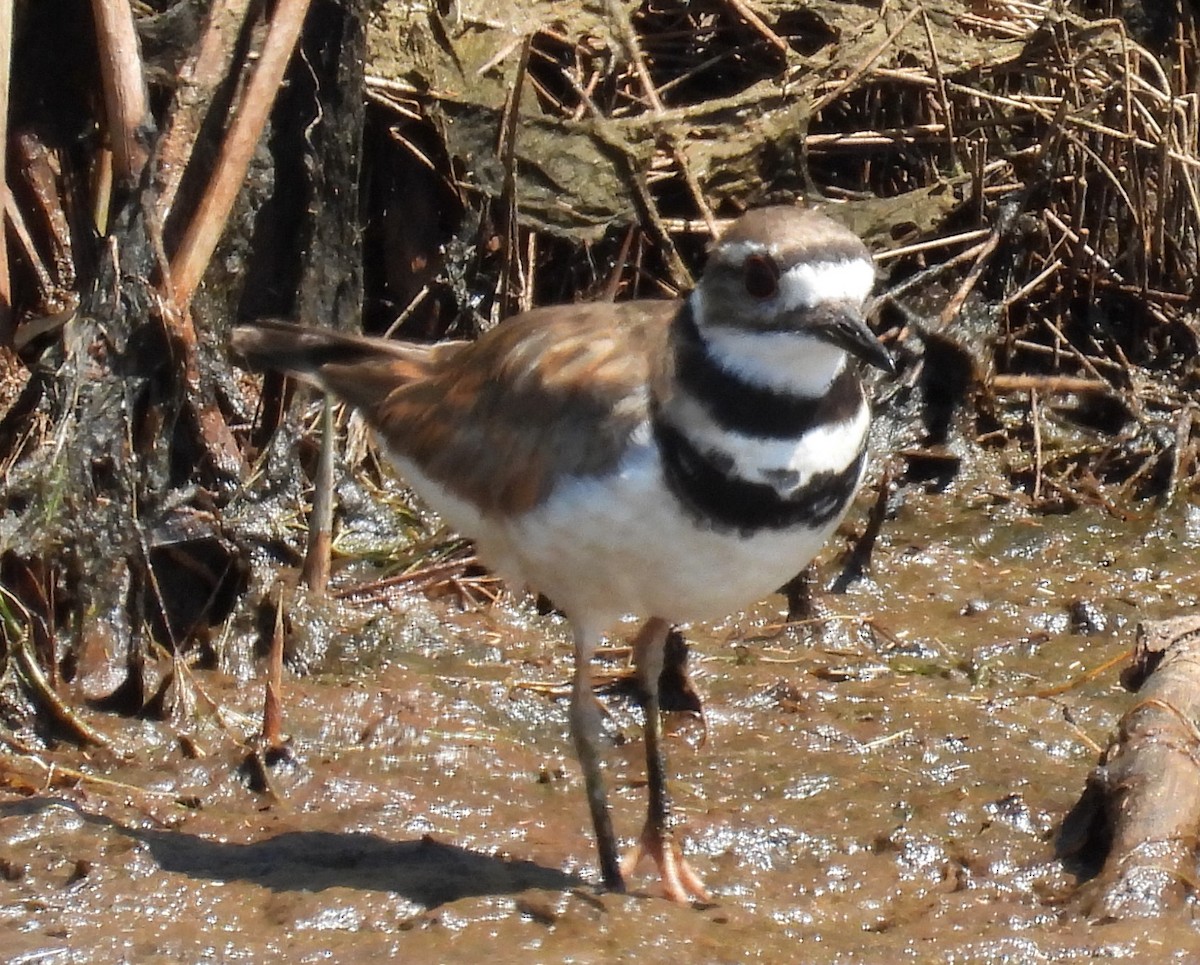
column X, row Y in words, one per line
column 857, row 74
column 25, row 770
column 746, row 13
column 272, row 721
column 60, row 710
column 1047, row 383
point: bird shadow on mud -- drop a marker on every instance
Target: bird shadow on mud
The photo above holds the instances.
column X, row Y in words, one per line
column 426, row 872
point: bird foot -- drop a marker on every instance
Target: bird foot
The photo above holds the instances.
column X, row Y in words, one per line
column 680, row 883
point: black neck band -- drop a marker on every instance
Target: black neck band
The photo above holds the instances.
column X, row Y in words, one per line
column 705, row 485
column 754, row 410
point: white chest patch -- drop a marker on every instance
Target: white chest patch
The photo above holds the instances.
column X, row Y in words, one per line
column 620, row 544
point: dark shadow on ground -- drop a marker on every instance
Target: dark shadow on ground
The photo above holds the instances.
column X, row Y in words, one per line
column 424, row 871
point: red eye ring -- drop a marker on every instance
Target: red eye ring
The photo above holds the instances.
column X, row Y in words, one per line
column 760, row 276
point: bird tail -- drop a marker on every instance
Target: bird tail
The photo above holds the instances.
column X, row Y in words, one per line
column 357, row 369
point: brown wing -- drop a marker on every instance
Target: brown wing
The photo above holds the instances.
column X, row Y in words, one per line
column 500, row 420
column 544, row 394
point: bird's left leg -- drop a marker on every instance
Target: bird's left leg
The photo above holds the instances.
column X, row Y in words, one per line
column 680, row 882
column 585, row 732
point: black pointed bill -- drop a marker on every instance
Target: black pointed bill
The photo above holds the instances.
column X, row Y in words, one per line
column 844, row 327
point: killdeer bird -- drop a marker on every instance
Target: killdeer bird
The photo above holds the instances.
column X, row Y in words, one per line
column 677, row 460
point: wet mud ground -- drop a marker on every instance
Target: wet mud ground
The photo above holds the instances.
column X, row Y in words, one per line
column 886, row 788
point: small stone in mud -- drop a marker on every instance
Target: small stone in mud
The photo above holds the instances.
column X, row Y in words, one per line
column 1013, row 811
column 280, row 754
column 539, row 910
column 11, row 871
column 82, row 869
column 191, row 749
column 1086, row 617
column 974, row 607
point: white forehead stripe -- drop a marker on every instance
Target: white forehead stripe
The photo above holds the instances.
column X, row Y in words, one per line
column 814, row 283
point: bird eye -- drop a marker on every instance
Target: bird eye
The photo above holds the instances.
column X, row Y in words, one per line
column 760, row 275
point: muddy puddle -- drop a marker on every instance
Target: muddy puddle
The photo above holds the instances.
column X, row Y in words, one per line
column 889, row 786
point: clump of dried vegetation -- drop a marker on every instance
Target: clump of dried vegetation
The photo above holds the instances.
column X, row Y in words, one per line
column 1028, row 174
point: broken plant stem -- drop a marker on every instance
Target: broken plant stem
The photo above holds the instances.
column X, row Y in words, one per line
column 272, row 724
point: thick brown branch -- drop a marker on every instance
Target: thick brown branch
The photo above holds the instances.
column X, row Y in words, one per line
column 1141, row 807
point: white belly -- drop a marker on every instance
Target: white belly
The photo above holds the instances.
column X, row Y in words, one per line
column 621, row 544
